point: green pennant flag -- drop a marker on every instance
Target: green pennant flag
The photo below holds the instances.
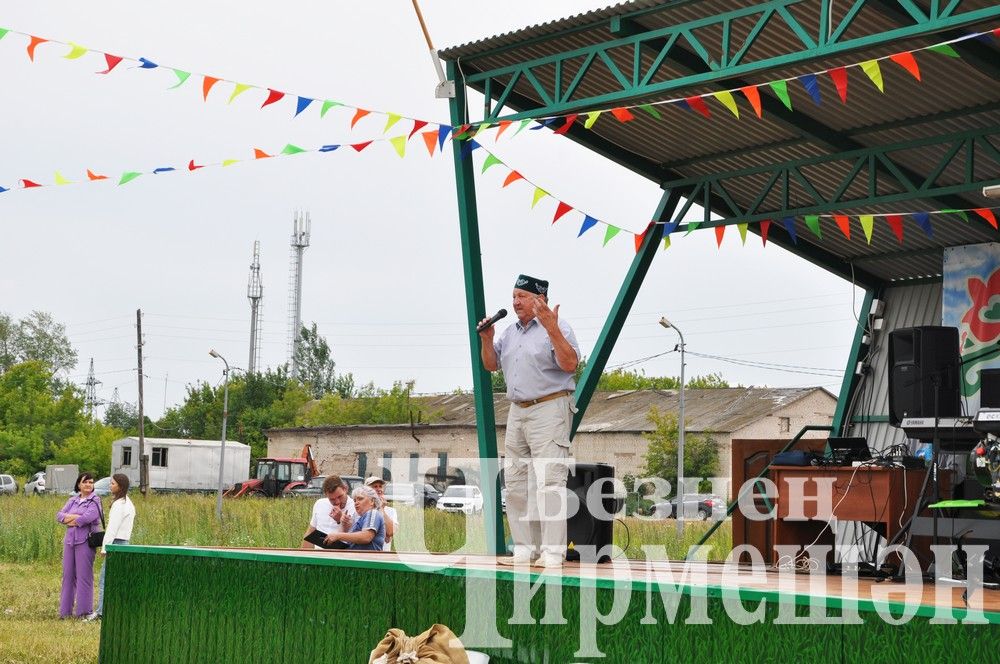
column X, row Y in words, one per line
column 491, row 160
column 591, row 119
column 520, row 128
column 399, row 142
column 649, row 109
column 237, row 91
column 610, row 233
column 76, row 51
column 3, row 32
column 539, row 195
column 725, row 97
column 960, row 213
column 291, row 149
column 812, row 223
column 945, row 49
column 867, row 224
column 692, row 227
column 874, row 72
column 327, row 105
column 181, row 77
column 781, row 90
column 128, row 176
column 60, row 179
column 393, row 119
column 743, row 232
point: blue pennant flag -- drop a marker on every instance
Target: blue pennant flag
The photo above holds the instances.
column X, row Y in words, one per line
column 163, row 169
column 671, row 226
column 302, row 104
column 328, row 148
column 789, row 224
column 443, row 132
column 811, row 85
column 588, row 223
column 923, row 220
column 469, row 146
column 541, row 124
column 3, row 189
column 147, row 64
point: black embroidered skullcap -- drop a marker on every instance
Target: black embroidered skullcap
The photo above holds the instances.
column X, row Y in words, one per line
column 532, row 284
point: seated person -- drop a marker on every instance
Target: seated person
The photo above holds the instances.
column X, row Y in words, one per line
column 332, row 514
column 368, row 532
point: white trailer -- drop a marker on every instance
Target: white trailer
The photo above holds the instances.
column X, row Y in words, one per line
column 61, row 478
column 180, row 464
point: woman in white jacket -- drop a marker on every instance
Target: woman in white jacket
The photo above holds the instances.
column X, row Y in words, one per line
column 118, row 531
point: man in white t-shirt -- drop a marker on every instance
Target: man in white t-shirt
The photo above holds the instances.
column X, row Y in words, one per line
column 391, row 517
column 333, row 514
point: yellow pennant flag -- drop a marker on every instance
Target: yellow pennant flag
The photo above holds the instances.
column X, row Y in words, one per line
column 666, row 242
column 539, row 195
column 75, row 52
column 874, row 72
column 237, row 91
column 743, row 232
column 393, row 119
column 867, row 224
column 399, row 142
column 591, row 119
column 229, row 162
column 60, row 179
column 725, row 97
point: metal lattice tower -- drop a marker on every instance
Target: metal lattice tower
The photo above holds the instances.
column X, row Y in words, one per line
column 255, row 293
column 90, row 399
column 300, row 240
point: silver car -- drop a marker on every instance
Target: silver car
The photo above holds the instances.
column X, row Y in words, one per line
column 35, row 484
column 8, row 485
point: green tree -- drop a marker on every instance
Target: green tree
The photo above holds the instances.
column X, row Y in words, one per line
column 89, row 448
column 708, row 381
column 370, row 406
column 123, row 416
column 316, row 366
column 701, row 455
column 36, row 337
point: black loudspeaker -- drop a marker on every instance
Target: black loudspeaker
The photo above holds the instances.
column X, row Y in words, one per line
column 584, row 529
column 922, row 360
column 989, row 388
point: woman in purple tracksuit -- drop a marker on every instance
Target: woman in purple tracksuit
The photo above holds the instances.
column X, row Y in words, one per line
column 81, row 515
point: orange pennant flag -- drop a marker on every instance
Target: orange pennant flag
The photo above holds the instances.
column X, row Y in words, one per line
column 641, row 237
column 844, row 224
column 988, row 215
column 561, row 209
column 94, row 176
column 260, row 154
column 358, row 115
column 753, row 96
column 358, row 147
column 513, row 177
column 622, row 114
column 35, row 41
column 503, row 127
column 206, row 86
column 430, row 140
column 907, row 62
column 719, row 232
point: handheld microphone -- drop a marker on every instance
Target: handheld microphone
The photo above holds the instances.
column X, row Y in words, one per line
column 489, row 323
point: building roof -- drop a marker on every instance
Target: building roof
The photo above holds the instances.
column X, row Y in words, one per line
column 717, row 410
column 183, row 442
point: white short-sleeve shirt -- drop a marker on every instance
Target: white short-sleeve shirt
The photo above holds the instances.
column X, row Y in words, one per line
column 321, row 519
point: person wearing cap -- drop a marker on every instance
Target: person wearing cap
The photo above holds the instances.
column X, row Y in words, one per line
column 333, row 514
column 391, row 517
column 538, row 355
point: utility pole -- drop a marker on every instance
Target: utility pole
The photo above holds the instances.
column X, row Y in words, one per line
column 255, row 291
column 143, row 464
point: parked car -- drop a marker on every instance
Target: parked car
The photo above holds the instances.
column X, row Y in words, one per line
column 696, row 506
column 461, row 498
column 8, row 485
column 314, row 489
column 412, row 494
column 35, row 484
column 102, row 487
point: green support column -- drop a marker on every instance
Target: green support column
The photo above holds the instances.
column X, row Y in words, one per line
column 475, row 307
column 623, row 304
column 850, row 383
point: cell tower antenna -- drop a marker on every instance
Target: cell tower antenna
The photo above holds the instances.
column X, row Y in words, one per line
column 301, row 227
column 90, row 400
column 255, row 293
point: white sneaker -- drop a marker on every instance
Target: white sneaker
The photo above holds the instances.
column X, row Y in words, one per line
column 517, row 560
column 550, row 561
column 90, row 617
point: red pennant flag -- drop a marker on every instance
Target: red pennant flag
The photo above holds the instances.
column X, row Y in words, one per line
column 640, row 238
column 112, row 61
column 988, row 215
column 35, row 41
column 570, row 119
column 28, row 184
column 358, row 147
column 719, row 232
column 698, row 104
column 272, row 96
column 844, row 223
column 895, row 222
column 360, row 113
column 839, row 76
column 622, row 114
column 996, row 32
column 206, row 86
column 430, row 140
column 907, row 62
column 260, row 154
column 561, row 209
column 765, row 226
column 417, row 126
column 513, row 177
column 94, row 176
column 753, row 96
column 193, row 166
column 503, row 127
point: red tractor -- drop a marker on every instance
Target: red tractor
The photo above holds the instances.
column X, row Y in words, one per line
column 275, row 474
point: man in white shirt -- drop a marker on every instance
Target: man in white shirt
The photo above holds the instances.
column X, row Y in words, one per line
column 333, row 514
column 391, row 517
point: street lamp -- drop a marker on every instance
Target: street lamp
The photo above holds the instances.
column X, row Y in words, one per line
column 680, row 431
column 222, row 449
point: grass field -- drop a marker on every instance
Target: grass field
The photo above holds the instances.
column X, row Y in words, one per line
column 31, row 551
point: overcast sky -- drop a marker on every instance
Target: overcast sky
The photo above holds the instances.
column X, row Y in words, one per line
column 383, row 275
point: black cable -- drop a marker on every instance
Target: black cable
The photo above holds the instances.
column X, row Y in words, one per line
column 628, row 538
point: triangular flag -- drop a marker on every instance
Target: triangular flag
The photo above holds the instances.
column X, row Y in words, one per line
column 719, row 232
column 417, row 126
column 128, row 176
column 193, row 166
column 514, row 176
column 692, row 227
column 94, row 176
column 844, row 224
column 3, row 189
column 260, row 154
column 491, row 160
column 765, row 226
column 608, row 234
column 742, row 228
column 649, row 108
column 469, row 146
column 839, row 77
column 358, row 147
column 539, row 195
column 327, row 105
column 329, row 148
column 780, row 88
column 301, row 104
column 923, row 220
column 239, row 89
column 591, row 119
column 867, row 225
column 392, row 119
column 812, row 223
column 698, row 104
column 358, row 114
column 622, row 114
column 181, row 77
column 443, row 132
column 75, row 52
column 399, row 142
column 272, row 96
column 811, row 85
column 671, row 226
column 874, row 72
column 60, row 179
column 570, row 119
column 945, row 49
column 588, row 223
column 789, row 224
column 988, row 215
column 561, row 209
column 520, row 127
column 907, row 62
column 753, row 96
column 640, row 238
column 666, row 242
column 230, row 162
column 543, row 123
column 3, row 33
column 112, row 61
column 167, row 169
column 206, row 86
column 146, row 63
column 895, row 222
column 28, row 184
column 32, row 45
column 725, row 97
column 960, row 213
column 430, row 140
column 503, row 127
column 291, row 149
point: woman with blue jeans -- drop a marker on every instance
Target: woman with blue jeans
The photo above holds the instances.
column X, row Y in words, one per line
column 118, row 531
